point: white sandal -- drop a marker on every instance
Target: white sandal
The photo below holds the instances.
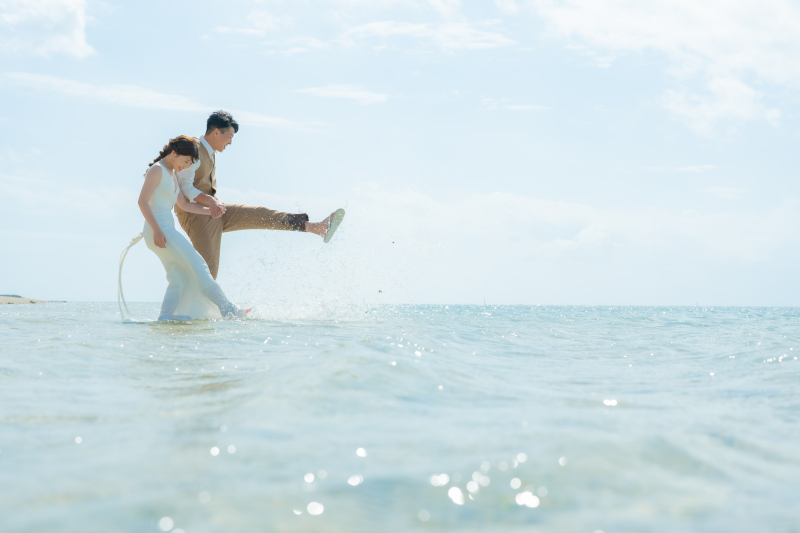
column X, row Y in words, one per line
column 333, row 223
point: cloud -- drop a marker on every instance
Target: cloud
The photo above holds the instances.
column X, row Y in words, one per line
column 126, row 95
column 140, row 97
column 721, row 43
column 454, row 33
column 733, row 36
column 44, row 27
column 257, row 119
column 262, row 21
column 507, row 6
column 448, row 36
column 446, row 8
column 348, row 92
column 729, row 98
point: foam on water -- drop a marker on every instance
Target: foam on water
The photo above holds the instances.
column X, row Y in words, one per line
column 400, row 418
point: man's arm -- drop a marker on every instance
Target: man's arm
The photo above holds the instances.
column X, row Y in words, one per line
column 216, row 207
column 186, row 184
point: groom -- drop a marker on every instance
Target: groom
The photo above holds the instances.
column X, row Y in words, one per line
column 199, row 184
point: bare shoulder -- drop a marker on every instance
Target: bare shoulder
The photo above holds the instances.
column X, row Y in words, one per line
column 153, row 173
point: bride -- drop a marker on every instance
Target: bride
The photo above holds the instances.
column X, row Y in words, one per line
column 192, row 293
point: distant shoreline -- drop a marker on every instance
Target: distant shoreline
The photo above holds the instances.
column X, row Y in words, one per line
column 20, row 300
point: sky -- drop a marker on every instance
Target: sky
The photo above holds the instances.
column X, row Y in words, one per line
column 592, row 152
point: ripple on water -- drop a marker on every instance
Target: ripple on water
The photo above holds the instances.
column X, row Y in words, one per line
column 480, row 418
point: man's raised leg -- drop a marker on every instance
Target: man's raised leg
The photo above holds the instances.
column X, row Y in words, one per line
column 238, row 217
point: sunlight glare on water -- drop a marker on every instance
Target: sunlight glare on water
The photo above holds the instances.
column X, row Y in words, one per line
column 400, row 418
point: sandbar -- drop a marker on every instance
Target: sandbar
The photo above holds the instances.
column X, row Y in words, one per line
column 16, row 300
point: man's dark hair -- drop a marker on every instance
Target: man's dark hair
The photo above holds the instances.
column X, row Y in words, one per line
column 221, row 120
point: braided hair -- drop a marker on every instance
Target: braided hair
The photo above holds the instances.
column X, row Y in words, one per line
column 181, row 145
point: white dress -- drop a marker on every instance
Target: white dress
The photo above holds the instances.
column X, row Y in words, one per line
column 192, row 293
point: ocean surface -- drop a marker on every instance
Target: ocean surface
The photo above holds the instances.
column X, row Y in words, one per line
column 401, row 418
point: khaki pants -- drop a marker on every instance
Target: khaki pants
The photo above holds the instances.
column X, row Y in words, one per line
column 206, row 232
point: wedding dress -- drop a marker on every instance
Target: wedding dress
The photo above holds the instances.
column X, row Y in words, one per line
column 192, row 293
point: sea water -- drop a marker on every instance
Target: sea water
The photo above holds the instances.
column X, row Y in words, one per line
column 401, row 418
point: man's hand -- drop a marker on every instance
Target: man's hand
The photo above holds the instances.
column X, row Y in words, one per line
column 217, row 209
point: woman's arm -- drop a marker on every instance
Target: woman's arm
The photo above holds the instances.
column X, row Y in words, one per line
column 186, row 205
column 151, row 181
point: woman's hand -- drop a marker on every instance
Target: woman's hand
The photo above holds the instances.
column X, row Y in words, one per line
column 159, row 238
column 217, row 209
column 198, row 209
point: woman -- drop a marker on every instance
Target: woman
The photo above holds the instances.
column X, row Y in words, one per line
column 192, row 292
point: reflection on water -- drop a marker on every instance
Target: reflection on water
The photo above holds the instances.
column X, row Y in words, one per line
column 404, row 418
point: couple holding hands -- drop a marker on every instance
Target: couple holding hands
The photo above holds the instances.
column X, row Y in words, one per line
column 183, row 176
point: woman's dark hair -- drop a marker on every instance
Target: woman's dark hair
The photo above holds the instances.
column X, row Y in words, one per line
column 221, row 120
column 181, row 145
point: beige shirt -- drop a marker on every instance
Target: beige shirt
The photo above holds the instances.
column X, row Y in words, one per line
column 186, row 176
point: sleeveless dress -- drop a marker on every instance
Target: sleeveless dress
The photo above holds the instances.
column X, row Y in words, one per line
column 192, row 293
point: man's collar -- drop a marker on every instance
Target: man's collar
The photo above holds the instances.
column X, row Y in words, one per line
column 210, row 150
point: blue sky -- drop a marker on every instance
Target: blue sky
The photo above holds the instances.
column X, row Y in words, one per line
column 538, row 152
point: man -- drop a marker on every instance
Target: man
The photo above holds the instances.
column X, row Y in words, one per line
column 199, row 184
